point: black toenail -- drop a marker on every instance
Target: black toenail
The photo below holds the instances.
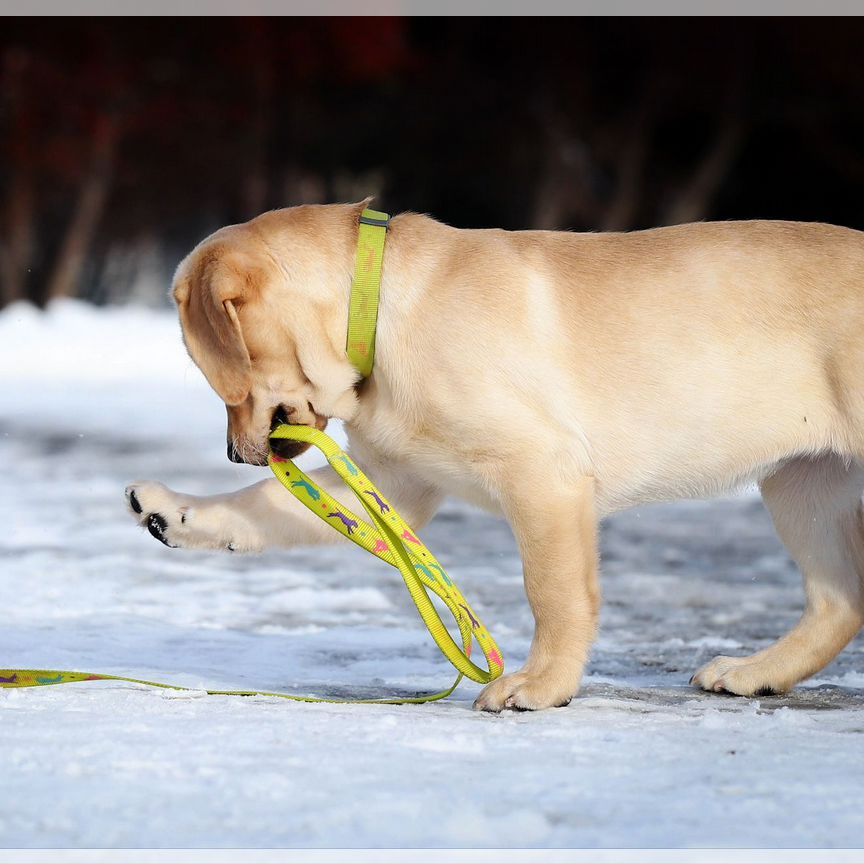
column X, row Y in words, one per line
column 134, row 502
column 156, row 525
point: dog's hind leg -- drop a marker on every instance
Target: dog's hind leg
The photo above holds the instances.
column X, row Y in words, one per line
column 816, row 507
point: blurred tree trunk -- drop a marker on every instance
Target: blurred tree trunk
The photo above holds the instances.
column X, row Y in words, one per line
column 694, row 198
column 622, row 210
column 564, row 189
column 255, row 186
column 90, row 203
column 302, row 186
column 17, row 215
column 16, row 238
column 697, row 192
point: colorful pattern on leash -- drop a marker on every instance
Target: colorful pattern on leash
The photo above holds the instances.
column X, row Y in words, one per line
column 43, row 677
column 391, row 539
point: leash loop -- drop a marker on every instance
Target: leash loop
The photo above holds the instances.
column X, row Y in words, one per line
column 388, row 538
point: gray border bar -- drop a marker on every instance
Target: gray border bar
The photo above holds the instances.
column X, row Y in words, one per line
column 429, row 7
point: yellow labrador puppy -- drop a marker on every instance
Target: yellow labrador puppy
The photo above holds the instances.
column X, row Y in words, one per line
column 554, row 378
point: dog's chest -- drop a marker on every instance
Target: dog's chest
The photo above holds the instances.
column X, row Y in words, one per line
column 429, row 462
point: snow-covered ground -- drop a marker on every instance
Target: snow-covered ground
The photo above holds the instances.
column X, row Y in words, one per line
column 91, row 399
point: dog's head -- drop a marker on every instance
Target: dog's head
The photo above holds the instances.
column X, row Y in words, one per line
column 264, row 311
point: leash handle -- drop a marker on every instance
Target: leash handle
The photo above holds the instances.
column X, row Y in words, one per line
column 388, row 540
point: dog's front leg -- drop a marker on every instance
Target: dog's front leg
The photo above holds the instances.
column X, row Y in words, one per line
column 266, row 514
column 557, row 537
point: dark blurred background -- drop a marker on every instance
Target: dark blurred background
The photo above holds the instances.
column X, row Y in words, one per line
column 125, row 141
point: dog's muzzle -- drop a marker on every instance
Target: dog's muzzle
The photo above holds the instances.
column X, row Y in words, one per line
column 284, row 447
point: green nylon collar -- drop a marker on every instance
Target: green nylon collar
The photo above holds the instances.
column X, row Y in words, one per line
column 365, row 291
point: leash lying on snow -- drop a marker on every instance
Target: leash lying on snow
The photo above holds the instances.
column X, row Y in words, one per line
column 388, row 537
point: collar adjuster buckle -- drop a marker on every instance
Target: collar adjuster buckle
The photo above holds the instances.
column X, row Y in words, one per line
column 378, row 223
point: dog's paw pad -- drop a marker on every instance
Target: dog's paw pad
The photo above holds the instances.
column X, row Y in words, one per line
column 183, row 522
column 157, row 526
column 154, row 507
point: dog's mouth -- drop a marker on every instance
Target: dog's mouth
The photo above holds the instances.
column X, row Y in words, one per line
column 252, row 452
column 285, row 447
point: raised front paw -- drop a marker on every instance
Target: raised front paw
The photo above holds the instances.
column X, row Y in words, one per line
column 183, row 521
column 740, row 676
column 523, row 691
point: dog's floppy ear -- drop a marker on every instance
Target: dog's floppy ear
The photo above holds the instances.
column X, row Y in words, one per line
column 207, row 301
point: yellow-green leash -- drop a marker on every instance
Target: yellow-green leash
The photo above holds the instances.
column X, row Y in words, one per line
column 390, row 542
column 389, row 537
